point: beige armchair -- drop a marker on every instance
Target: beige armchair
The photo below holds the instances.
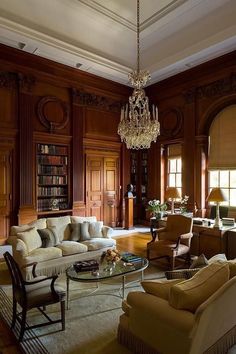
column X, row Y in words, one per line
column 173, row 240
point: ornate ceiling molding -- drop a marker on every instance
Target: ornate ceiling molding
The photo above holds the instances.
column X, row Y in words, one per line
column 216, row 88
column 7, row 80
column 87, row 99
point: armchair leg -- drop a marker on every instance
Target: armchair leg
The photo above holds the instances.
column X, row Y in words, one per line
column 14, row 309
column 63, row 315
column 172, row 263
column 23, row 322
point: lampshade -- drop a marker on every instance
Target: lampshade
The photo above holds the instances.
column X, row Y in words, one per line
column 172, row 193
column 216, row 195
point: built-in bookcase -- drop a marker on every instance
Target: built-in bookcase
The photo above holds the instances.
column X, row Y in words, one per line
column 52, row 177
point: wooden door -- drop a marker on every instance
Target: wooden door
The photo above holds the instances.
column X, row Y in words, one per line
column 94, row 183
column 110, row 190
column 5, row 192
column 102, row 188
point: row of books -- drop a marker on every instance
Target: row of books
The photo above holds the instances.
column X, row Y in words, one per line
column 52, row 149
column 51, row 191
column 52, row 170
column 45, row 204
column 52, row 179
column 52, row 160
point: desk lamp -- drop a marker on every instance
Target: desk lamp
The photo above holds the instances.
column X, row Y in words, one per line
column 217, row 196
column 172, row 193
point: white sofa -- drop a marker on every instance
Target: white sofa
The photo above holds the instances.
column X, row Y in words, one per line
column 193, row 316
column 56, row 243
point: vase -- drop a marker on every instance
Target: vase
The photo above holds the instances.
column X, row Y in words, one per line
column 159, row 215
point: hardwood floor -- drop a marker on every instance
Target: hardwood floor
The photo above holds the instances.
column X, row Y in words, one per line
column 136, row 243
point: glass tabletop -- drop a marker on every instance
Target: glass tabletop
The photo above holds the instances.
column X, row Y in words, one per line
column 106, row 270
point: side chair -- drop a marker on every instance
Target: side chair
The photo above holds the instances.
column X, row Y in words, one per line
column 173, row 240
column 36, row 293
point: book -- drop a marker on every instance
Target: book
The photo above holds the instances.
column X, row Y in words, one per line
column 89, row 265
column 130, row 257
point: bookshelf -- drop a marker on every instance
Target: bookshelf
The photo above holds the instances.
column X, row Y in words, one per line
column 52, row 178
column 139, row 179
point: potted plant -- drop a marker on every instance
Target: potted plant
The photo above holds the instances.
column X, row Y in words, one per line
column 156, row 208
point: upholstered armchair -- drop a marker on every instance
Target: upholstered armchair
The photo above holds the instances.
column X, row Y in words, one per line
column 173, row 240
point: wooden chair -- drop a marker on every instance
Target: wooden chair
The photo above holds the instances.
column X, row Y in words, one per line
column 39, row 292
column 173, row 240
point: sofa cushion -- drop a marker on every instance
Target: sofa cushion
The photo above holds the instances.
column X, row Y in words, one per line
column 160, row 287
column 181, row 273
column 72, row 247
column 31, row 238
column 38, row 224
column 43, row 254
column 232, row 268
column 189, row 294
column 81, row 219
column 97, row 243
column 95, row 229
column 62, row 226
column 75, row 232
column 49, row 237
column 84, row 231
column 218, row 257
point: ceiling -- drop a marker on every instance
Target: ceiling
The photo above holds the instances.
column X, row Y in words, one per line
column 99, row 36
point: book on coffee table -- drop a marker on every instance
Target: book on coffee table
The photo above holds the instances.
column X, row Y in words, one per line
column 130, row 257
column 89, row 265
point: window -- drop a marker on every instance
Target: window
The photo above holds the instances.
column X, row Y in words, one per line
column 174, row 167
column 222, row 157
column 225, row 179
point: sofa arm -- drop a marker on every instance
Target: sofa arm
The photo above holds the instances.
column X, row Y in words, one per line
column 21, row 249
column 107, row 231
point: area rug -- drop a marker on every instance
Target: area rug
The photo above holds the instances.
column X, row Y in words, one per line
column 91, row 321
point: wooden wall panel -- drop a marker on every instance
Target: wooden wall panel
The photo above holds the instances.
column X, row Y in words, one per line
column 107, row 127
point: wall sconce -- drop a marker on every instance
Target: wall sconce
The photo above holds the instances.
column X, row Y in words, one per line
column 217, row 196
column 172, row 193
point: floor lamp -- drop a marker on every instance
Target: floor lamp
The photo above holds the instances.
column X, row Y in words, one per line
column 172, row 193
column 217, row 196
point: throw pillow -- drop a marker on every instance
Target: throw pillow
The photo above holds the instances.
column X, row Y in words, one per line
column 200, row 262
column 218, row 257
column 39, row 224
column 189, row 294
column 75, row 232
column 48, row 237
column 21, row 228
column 84, row 233
column 95, row 229
column 31, row 238
column 159, row 288
column 181, row 273
column 81, row 219
column 62, row 225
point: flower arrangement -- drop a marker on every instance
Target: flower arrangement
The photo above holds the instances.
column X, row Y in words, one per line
column 110, row 256
column 183, row 204
column 155, row 206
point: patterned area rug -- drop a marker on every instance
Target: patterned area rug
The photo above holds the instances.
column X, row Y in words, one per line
column 91, row 321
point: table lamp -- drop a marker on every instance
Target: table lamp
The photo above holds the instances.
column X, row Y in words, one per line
column 172, row 193
column 217, row 196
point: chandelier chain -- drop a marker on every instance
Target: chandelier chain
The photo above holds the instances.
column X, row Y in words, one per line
column 138, row 41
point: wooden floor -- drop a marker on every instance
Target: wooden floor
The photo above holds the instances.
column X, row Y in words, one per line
column 135, row 243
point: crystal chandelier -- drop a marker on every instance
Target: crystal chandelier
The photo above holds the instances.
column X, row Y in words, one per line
column 137, row 127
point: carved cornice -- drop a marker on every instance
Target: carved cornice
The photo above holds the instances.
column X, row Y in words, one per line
column 87, row 99
column 7, row 80
column 26, row 82
column 217, row 88
column 47, row 121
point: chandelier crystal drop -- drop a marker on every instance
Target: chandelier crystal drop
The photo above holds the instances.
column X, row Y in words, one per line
column 138, row 127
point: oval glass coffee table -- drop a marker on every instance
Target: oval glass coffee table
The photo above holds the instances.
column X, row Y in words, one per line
column 106, row 271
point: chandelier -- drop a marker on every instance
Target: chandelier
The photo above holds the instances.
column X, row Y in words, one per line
column 137, row 127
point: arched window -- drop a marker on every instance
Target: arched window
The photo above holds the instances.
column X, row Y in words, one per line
column 222, row 153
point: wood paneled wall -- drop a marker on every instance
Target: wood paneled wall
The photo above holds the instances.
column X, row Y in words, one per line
column 43, row 101
column 188, row 103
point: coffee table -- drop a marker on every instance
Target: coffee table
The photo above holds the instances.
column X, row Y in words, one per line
column 119, row 269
